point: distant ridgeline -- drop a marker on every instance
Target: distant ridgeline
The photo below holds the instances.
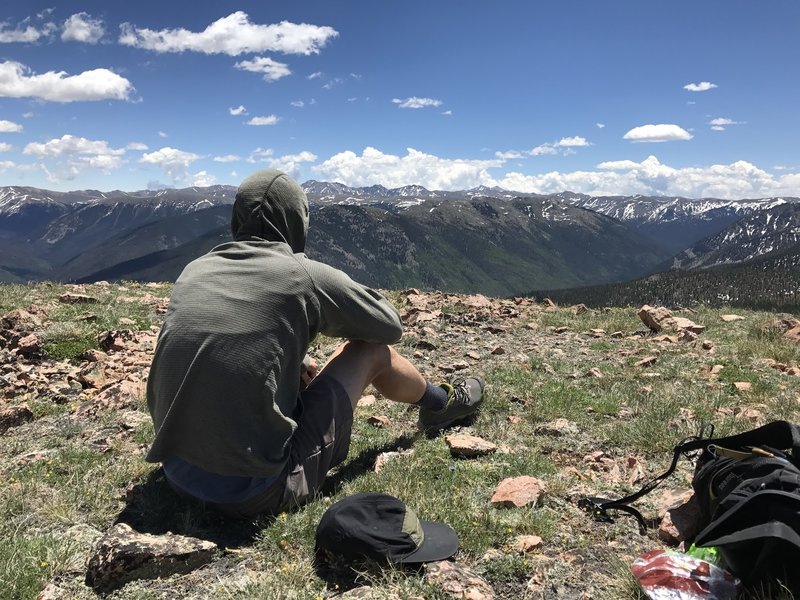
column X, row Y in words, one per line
column 485, row 240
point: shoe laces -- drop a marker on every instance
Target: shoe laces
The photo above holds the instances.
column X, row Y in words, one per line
column 460, row 392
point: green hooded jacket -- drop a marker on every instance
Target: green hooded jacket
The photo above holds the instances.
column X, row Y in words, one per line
column 225, row 377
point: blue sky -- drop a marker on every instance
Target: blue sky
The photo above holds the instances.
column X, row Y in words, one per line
column 688, row 97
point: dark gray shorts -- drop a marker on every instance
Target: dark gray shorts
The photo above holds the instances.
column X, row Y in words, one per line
column 320, row 442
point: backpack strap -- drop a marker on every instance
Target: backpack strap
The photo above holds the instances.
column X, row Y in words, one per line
column 778, row 438
column 599, row 507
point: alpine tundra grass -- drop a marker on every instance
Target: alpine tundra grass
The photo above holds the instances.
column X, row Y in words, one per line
column 569, row 400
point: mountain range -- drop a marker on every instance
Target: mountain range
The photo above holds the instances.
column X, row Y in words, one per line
column 485, row 240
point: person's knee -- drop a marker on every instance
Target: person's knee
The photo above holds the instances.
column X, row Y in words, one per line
column 376, row 357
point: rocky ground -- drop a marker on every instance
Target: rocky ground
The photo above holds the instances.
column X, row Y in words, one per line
column 578, row 403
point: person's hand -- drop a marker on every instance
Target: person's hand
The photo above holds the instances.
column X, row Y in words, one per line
column 308, row 370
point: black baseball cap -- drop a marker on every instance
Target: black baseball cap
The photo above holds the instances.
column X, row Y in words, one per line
column 381, row 527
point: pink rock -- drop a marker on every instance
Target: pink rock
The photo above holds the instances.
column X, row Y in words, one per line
column 385, row 457
column 70, row 298
column 469, row 446
column 380, row 421
column 518, row 491
column 29, row 346
column 477, row 301
column 14, row 416
column 19, row 320
column 652, row 317
column 681, row 522
column 121, row 394
column 681, row 323
column 366, row 400
column 458, row 581
column 731, row 318
column 526, row 543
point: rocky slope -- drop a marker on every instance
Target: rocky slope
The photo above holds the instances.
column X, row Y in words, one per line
column 774, row 230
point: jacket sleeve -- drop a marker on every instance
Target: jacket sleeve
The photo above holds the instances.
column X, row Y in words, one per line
column 351, row 310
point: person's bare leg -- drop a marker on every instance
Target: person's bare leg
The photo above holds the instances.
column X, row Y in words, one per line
column 357, row 364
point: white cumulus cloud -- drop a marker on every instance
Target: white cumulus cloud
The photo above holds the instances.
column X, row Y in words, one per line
column 264, row 120
column 703, row 86
column 28, row 34
column 414, row 102
column 720, row 123
column 136, row 146
column 17, row 81
column 563, row 146
column 5, row 147
column 740, row 179
column 9, row 127
column 657, row 133
column 80, row 27
column 374, row 167
column 618, row 165
column 600, row 125
column 543, row 149
column 73, row 154
column 227, row 158
column 510, row 155
column 270, row 69
column 173, row 161
column 71, row 145
column 232, row 35
column 297, row 103
column 203, row 179
column 290, row 163
column 239, row 110
column 572, row 142
column 260, row 155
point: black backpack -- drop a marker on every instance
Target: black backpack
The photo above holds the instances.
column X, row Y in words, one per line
column 748, row 489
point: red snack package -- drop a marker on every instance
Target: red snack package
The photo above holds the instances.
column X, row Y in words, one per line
column 670, row 575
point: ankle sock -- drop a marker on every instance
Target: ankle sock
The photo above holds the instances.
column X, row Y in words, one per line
column 434, row 398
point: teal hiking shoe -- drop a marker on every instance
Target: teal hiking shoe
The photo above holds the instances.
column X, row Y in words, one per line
column 464, row 398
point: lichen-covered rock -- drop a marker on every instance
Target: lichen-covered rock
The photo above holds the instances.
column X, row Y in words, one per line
column 683, row 324
column 14, row 416
column 123, row 555
column 20, row 320
column 458, row 581
column 654, row 317
column 70, row 298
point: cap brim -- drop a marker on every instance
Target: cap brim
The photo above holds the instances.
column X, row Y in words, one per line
column 440, row 543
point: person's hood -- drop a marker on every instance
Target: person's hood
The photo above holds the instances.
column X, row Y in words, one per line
column 271, row 206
